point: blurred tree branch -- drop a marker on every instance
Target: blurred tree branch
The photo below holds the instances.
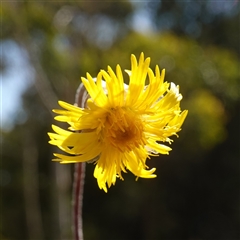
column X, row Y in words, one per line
column 31, row 186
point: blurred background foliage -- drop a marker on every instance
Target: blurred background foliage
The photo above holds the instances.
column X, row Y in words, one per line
column 196, row 193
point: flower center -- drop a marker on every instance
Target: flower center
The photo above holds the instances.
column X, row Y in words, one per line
column 124, row 129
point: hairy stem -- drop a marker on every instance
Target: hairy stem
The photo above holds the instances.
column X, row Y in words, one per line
column 78, row 187
column 79, row 175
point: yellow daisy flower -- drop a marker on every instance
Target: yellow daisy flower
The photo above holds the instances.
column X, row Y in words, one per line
column 122, row 125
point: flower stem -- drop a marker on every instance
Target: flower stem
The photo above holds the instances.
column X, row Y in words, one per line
column 78, row 187
column 79, row 175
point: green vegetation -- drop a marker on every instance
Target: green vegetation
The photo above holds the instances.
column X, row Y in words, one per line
column 196, row 193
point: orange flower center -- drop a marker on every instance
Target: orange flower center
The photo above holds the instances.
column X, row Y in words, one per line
column 123, row 129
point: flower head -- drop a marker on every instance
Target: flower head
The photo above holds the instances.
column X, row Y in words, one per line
column 122, row 125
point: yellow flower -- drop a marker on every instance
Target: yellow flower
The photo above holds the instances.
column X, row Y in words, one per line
column 122, row 125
